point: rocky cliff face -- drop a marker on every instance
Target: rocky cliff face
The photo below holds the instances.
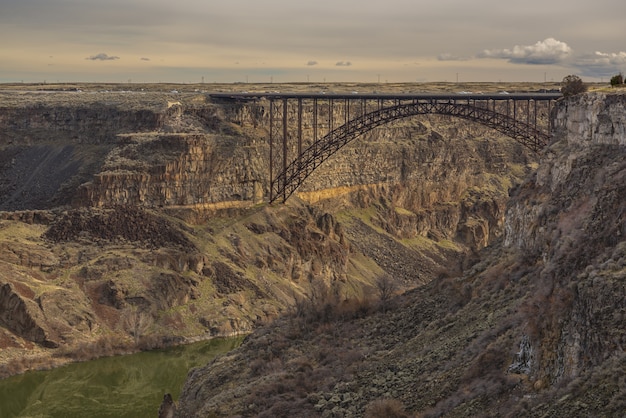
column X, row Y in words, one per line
column 592, row 119
column 157, row 218
column 448, row 180
column 570, row 220
column 535, row 328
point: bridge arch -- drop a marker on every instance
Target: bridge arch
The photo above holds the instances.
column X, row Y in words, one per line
column 296, row 172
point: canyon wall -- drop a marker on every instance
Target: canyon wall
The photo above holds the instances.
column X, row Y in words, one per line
column 438, row 176
column 570, row 219
column 449, row 178
column 53, row 142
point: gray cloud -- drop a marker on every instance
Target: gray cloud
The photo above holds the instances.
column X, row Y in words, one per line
column 145, row 59
column 102, row 57
column 343, row 64
column 610, row 58
column 449, row 57
column 548, row 51
column 601, row 64
column 311, row 63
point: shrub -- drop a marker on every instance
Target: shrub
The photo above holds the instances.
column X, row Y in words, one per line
column 572, row 85
column 325, row 304
column 385, row 408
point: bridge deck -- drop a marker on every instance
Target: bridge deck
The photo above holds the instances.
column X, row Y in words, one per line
column 389, row 96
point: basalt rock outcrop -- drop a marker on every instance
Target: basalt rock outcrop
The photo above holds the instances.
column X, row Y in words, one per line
column 570, row 220
column 534, row 328
column 21, row 316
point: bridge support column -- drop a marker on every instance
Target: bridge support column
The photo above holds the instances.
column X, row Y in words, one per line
column 271, row 140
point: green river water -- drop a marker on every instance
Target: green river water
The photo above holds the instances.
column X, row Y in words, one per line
column 122, row 386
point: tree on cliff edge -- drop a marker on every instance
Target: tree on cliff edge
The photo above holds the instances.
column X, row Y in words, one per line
column 617, row 80
column 571, row 85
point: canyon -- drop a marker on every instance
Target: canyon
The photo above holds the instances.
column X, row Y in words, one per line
column 136, row 219
column 120, row 206
column 534, row 327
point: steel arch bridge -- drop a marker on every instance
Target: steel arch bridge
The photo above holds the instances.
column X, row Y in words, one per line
column 524, row 117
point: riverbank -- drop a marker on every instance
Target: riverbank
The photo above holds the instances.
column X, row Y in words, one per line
column 13, row 362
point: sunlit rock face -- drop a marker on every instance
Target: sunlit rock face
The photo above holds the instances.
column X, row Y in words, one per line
column 594, row 118
column 588, row 129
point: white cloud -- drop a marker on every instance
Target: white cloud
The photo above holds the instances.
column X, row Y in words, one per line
column 548, row 51
column 102, row 57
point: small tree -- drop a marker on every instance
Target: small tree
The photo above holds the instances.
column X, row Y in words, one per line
column 572, row 85
column 137, row 323
column 617, row 80
column 386, row 289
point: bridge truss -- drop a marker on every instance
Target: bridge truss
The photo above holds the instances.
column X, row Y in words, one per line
column 307, row 129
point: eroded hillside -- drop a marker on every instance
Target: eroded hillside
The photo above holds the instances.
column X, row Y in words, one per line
column 136, row 219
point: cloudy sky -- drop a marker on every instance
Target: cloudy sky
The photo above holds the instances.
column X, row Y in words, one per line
column 190, row 41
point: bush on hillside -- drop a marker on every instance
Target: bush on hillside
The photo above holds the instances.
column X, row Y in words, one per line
column 386, row 408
